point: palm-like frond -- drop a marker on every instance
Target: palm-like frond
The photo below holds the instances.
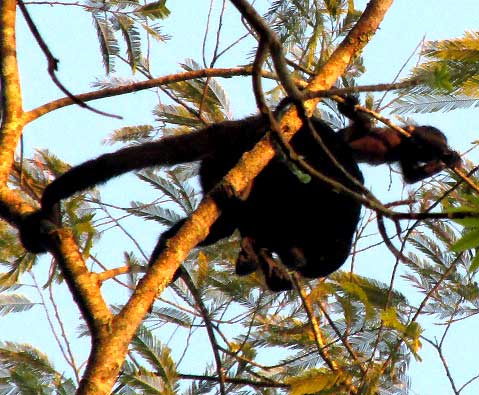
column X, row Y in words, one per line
column 179, row 192
column 128, row 19
column 130, row 134
column 449, row 77
column 155, row 213
column 106, row 37
column 158, row 356
column 131, row 36
column 172, row 316
column 177, row 115
column 25, row 370
column 14, row 303
column 425, row 103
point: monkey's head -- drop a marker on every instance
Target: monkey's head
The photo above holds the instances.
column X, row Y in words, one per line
column 429, row 143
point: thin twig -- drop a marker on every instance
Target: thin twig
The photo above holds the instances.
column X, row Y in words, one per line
column 343, row 339
column 318, row 336
column 234, row 380
column 444, row 364
column 67, row 354
column 53, row 63
column 185, row 276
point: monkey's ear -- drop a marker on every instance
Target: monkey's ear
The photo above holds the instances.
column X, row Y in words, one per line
column 34, row 232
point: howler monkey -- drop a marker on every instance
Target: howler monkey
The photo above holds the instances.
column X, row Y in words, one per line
column 307, row 226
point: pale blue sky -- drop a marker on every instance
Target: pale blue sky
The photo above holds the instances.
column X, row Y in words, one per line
column 75, row 134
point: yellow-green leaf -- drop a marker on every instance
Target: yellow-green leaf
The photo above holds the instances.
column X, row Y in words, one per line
column 389, row 318
column 470, row 239
column 312, row 381
column 474, row 263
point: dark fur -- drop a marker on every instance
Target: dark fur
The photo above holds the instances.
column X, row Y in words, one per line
column 309, row 226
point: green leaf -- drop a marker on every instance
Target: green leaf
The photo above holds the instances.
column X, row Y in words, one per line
column 355, row 289
column 158, row 356
column 474, row 265
column 313, row 381
column 132, row 39
column 442, row 78
column 413, row 332
column 470, row 239
column 390, row 319
column 155, row 10
column 108, row 43
column 130, row 134
column 25, row 370
column 469, row 222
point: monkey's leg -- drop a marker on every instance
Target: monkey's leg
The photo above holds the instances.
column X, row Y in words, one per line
column 276, row 277
column 248, row 260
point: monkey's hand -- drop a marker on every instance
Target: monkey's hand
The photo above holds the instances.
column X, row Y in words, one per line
column 347, row 107
column 361, row 122
column 451, row 159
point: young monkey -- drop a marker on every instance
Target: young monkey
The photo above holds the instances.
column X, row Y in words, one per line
column 421, row 155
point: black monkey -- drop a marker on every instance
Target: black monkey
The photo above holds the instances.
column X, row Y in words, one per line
column 308, row 226
column 279, row 215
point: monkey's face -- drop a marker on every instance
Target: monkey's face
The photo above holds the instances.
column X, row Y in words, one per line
column 429, row 143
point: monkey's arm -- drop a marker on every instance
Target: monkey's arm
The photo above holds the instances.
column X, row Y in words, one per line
column 420, row 156
column 416, row 171
column 167, row 151
column 377, row 147
column 361, row 123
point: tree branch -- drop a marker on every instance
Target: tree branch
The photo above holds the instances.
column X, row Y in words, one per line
column 11, row 94
column 139, row 86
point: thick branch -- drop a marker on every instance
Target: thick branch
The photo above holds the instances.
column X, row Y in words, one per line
column 138, row 86
column 11, row 105
column 84, row 288
column 84, row 285
column 352, row 45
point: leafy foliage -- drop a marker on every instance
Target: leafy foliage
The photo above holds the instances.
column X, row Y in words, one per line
column 161, row 379
column 129, row 19
column 302, row 27
column 14, row 303
column 449, row 77
column 262, row 343
column 25, row 370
